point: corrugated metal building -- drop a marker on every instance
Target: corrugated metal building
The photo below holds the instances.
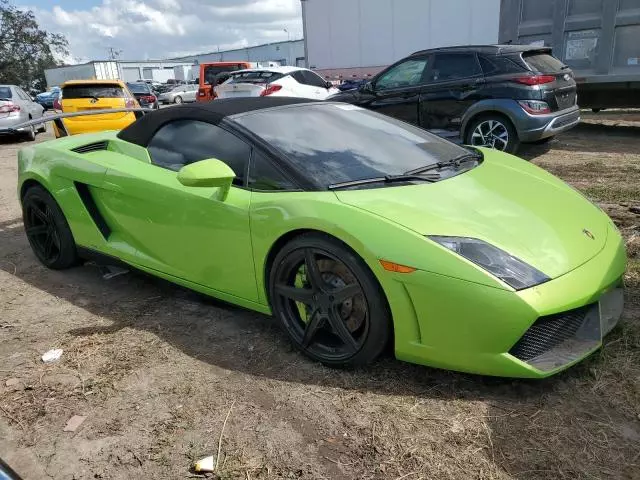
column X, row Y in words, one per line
column 286, row 53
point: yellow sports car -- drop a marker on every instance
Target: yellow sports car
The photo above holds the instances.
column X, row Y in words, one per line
column 79, row 95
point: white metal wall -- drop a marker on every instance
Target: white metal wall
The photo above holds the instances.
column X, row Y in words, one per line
column 288, row 53
column 373, row 33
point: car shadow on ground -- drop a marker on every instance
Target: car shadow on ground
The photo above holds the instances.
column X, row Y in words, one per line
column 530, row 426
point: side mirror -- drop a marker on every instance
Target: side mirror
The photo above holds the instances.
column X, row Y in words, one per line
column 328, row 85
column 208, row 173
column 367, row 87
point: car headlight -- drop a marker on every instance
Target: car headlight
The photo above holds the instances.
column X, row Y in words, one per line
column 509, row 269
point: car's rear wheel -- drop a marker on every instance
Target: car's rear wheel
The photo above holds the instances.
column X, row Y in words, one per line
column 493, row 131
column 47, row 230
column 328, row 302
column 177, row 100
column 30, row 134
column 42, row 128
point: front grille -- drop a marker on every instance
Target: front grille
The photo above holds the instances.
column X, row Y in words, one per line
column 549, row 332
column 91, row 147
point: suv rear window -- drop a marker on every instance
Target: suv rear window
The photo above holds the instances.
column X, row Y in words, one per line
column 254, row 77
column 138, row 87
column 5, row 92
column 543, row 62
column 98, row 90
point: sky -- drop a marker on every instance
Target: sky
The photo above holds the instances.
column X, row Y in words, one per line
column 157, row 29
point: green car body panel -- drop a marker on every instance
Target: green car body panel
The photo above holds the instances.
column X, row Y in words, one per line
column 449, row 313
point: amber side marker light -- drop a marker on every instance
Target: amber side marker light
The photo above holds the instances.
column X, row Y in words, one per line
column 395, row 267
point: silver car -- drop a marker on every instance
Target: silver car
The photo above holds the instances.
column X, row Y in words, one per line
column 16, row 106
column 180, row 94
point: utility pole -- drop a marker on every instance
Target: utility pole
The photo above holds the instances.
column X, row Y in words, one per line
column 113, row 53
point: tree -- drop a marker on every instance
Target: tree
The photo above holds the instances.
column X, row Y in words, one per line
column 25, row 49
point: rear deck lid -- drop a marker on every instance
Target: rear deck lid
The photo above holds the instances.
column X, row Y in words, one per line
column 250, row 83
column 559, row 93
column 95, row 96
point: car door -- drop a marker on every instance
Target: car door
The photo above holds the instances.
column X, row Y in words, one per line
column 454, row 83
column 32, row 108
column 397, row 90
column 185, row 232
column 191, row 93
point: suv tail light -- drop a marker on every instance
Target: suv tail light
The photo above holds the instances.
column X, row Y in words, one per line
column 535, row 107
column 57, row 104
column 10, row 107
column 535, row 79
column 273, row 88
column 149, row 98
column 202, row 92
column 130, row 103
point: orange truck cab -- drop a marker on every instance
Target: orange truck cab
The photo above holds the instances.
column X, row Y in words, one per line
column 213, row 73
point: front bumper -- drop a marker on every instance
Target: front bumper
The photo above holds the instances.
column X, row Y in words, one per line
column 474, row 328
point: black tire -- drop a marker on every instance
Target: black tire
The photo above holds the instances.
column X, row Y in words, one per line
column 178, row 100
column 42, row 128
column 346, row 320
column 30, row 134
column 512, row 140
column 47, row 230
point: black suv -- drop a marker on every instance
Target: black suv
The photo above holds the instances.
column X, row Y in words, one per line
column 491, row 95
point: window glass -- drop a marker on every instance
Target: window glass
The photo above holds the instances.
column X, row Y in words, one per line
column 298, row 77
column 450, row 66
column 405, row 74
column 333, row 143
column 264, row 175
column 498, row 65
column 211, row 71
column 5, row 92
column 22, row 95
column 138, row 87
column 183, row 142
column 254, row 77
column 312, row 79
column 543, row 62
column 107, row 90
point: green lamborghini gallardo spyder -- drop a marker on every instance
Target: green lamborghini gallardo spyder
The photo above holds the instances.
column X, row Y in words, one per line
column 352, row 228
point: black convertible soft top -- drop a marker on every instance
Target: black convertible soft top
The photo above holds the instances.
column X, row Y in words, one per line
column 141, row 131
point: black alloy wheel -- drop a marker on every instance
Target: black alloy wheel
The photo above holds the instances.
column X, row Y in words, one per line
column 328, row 302
column 47, row 230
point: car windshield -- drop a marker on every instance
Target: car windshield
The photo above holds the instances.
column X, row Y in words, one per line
column 5, row 92
column 336, row 143
column 138, row 87
column 254, row 77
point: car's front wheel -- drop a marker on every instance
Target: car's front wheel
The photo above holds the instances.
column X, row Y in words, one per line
column 177, row 100
column 47, row 230
column 329, row 302
column 493, row 131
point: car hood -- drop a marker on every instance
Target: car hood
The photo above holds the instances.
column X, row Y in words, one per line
column 505, row 201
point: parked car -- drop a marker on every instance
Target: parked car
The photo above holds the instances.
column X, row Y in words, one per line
column 179, row 94
column 493, row 95
column 357, row 232
column 144, row 94
column 351, row 84
column 277, row 81
column 47, row 99
column 16, row 107
column 80, row 95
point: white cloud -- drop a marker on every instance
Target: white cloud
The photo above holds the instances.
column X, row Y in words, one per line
column 168, row 28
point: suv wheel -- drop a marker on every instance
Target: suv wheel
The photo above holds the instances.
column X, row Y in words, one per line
column 493, row 131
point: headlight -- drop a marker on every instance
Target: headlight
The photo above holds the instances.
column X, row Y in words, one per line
column 507, row 268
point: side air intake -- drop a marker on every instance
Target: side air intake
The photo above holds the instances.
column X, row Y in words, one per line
column 91, row 147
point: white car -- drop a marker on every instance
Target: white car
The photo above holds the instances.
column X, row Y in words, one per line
column 276, row 81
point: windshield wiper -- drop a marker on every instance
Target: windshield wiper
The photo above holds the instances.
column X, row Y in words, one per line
column 454, row 162
column 5, row 99
column 405, row 177
column 564, row 67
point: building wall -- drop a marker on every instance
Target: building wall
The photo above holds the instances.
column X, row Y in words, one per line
column 288, row 53
column 369, row 34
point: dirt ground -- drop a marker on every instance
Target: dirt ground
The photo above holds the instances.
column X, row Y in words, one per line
column 156, row 370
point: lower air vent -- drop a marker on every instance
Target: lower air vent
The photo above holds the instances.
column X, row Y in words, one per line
column 91, row 147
